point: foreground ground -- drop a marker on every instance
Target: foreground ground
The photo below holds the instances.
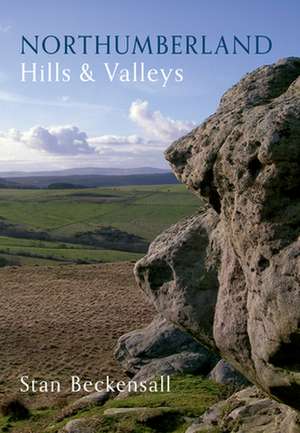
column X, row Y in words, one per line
column 171, row 412
column 58, row 321
column 64, row 320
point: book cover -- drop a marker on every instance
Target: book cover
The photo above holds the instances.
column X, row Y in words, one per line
column 149, row 216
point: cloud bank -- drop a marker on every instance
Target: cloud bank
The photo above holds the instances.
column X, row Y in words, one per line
column 61, row 140
column 57, row 142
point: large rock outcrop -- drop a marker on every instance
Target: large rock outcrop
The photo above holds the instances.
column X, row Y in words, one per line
column 231, row 275
column 188, row 250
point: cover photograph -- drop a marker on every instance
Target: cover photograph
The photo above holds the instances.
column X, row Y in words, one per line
column 150, row 216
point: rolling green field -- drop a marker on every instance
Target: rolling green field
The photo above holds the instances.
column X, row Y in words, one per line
column 57, row 226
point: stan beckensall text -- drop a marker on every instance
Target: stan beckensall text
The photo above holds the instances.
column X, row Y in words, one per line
column 76, row 384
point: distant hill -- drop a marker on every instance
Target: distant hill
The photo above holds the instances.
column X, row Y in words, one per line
column 89, row 181
column 4, row 183
column 87, row 171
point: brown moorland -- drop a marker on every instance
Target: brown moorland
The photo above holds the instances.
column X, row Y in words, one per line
column 64, row 320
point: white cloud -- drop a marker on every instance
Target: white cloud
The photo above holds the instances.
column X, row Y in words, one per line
column 155, row 125
column 70, row 145
column 13, row 150
column 115, row 139
column 61, row 140
column 158, row 131
column 12, row 134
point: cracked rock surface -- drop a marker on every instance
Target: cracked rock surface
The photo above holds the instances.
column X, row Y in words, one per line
column 231, row 274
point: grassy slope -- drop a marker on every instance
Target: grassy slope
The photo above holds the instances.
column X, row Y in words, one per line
column 190, row 395
column 60, row 252
column 142, row 210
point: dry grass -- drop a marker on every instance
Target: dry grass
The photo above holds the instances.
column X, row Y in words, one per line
column 60, row 321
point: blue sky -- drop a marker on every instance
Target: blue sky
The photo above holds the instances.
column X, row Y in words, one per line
column 57, row 125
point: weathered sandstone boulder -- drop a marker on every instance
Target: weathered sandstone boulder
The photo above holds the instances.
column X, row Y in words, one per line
column 162, row 348
column 231, row 275
column 179, row 363
column 85, row 402
column 225, row 374
column 180, row 272
column 248, row 411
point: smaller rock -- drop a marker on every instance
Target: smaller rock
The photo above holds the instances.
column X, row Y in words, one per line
column 195, row 428
column 179, row 363
column 156, row 419
column 77, row 426
column 115, row 411
column 225, row 374
column 184, row 362
column 93, row 399
column 158, row 341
